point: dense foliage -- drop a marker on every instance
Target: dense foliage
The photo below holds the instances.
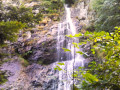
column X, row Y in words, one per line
column 27, row 15
column 20, row 14
column 53, row 6
column 107, row 14
column 9, row 30
column 104, row 72
column 52, row 9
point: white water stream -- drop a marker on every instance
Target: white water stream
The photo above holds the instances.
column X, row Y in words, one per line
column 71, row 59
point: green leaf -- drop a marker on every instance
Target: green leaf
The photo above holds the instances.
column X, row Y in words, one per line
column 80, row 67
column 116, row 27
column 79, row 52
column 58, row 68
column 78, row 35
column 61, row 63
column 66, row 50
column 90, row 78
column 93, row 51
column 75, row 45
column 82, row 43
column 71, row 36
column 75, row 75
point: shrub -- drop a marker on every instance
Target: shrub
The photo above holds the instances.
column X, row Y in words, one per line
column 104, row 72
column 21, row 14
column 9, row 30
column 38, row 17
column 24, row 62
column 52, row 6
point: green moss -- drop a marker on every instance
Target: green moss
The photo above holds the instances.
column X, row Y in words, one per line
column 3, row 55
column 3, row 78
column 7, row 60
column 3, row 61
column 40, row 62
column 24, row 62
column 43, row 43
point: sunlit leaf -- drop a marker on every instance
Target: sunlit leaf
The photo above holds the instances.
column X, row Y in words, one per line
column 66, row 50
column 78, row 35
column 93, row 51
column 61, row 63
column 90, row 78
column 95, row 40
column 79, row 52
column 71, row 36
column 75, row 45
column 58, row 68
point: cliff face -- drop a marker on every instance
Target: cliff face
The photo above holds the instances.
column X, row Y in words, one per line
column 82, row 13
column 38, row 44
column 34, row 76
column 29, row 60
column 36, row 49
column 83, row 18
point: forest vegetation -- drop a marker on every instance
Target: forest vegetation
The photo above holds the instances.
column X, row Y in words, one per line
column 102, row 73
column 105, row 45
column 14, row 19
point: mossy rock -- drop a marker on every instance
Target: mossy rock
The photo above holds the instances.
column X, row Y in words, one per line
column 3, row 77
column 24, row 62
column 40, row 62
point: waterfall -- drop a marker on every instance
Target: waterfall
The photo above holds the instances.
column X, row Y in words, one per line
column 71, row 59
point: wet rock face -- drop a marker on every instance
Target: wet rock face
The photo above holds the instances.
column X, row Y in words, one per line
column 38, row 46
column 12, row 70
column 33, row 77
column 44, row 52
column 51, row 85
column 41, row 77
column 36, row 84
column 82, row 15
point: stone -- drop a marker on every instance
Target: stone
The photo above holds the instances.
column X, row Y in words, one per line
column 36, row 84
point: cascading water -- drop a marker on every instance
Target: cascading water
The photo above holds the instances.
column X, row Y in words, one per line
column 71, row 59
